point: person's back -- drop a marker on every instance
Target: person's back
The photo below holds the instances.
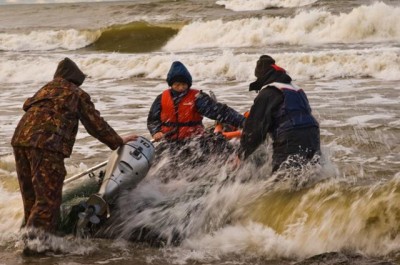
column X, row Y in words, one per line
column 281, row 109
column 51, row 118
column 45, row 136
column 52, row 115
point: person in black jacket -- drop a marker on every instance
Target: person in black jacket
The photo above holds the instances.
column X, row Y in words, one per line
column 281, row 109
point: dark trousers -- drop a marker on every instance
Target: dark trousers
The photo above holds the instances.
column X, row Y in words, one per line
column 41, row 175
column 295, row 147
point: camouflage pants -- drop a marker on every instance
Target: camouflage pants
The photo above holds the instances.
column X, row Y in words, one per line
column 41, row 175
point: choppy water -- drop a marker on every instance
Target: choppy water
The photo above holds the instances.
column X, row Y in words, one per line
column 344, row 54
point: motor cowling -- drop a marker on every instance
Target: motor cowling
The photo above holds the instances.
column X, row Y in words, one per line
column 127, row 166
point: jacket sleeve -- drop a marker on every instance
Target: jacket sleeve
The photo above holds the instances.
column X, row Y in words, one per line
column 95, row 125
column 260, row 120
column 208, row 107
column 154, row 117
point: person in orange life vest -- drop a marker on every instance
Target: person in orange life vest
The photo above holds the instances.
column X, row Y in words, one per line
column 281, row 109
column 177, row 113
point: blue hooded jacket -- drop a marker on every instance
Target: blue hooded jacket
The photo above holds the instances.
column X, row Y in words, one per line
column 205, row 105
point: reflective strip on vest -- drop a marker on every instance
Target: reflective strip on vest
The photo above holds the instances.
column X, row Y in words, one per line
column 285, row 86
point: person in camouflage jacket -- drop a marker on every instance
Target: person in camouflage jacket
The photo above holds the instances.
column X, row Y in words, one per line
column 46, row 134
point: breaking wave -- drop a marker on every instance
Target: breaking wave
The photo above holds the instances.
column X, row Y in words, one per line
column 133, row 37
column 245, row 5
column 70, row 39
column 380, row 63
column 374, row 23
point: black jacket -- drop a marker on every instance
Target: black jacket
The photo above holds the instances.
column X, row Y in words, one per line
column 261, row 121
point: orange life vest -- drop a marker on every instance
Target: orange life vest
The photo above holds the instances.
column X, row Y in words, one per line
column 181, row 121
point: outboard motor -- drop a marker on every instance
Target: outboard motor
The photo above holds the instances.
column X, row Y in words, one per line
column 126, row 167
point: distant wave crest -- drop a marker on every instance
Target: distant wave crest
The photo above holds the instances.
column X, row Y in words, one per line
column 246, row 5
column 132, row 37
column 375, row 23
column 379, row 63
column 70, row 39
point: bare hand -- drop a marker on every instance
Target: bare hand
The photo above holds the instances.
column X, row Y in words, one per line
column 128, row 138
column 158, row 136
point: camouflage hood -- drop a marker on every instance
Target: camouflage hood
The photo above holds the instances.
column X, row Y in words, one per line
column 69, row 71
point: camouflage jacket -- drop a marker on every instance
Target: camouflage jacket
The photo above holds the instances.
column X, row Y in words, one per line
column 52, row 117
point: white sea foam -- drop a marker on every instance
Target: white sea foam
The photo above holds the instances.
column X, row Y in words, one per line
column 377, row 99
column 373, row 23
column 382, row 63
column 49, row 1
column 246, row 5
column 48, row 40
column 368, row 119
column 11, row 213
column 248, row 238
column 328, row 217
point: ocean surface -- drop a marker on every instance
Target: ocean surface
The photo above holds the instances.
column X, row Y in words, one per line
column 344, row 53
